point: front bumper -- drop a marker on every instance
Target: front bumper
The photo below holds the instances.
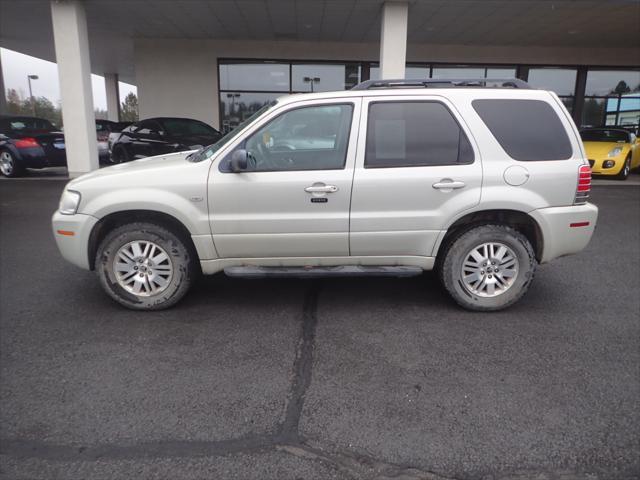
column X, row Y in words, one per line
column 565, row 230
column 72, row 234
column 597, row 166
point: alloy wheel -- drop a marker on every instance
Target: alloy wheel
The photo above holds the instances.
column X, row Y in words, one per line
column 489, row 269
column 6, row 163
column 143, row 268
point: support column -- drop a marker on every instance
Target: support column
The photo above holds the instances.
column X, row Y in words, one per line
column 113, row 96
column 74, row 69
column 393, row 40
column 3, row 94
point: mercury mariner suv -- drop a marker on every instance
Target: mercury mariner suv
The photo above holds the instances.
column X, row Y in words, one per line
column 481, row 180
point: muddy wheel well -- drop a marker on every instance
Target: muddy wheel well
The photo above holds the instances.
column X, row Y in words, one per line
column 114, row 220
column 519, row 221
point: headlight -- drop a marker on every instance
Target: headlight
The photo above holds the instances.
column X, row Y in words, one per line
column 614, row 152
column 69, row 202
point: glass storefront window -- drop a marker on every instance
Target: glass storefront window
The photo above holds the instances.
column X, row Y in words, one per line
column 458, row 72
column 324, row 77
column 236, row 107
column 254, row 76
column 601, row 83
column 562, row 81
column 410, row 71
column 499, row 72
column 593, row 112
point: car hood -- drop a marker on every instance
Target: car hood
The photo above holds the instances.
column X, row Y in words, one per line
column 601, row 149
column 146, row 168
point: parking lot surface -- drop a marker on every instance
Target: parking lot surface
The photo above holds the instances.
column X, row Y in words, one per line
column 335, row 378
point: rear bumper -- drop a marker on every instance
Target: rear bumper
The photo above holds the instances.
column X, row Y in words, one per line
column 72, row 236
column 565, row 230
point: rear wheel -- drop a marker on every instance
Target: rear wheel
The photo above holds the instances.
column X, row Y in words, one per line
column 626, row 169
column 144, row 266
column 9, row 167
column 488, row 268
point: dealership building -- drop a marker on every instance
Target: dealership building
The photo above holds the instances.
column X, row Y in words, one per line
column 220, row 60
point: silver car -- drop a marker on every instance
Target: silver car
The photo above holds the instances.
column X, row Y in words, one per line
column 479, row 181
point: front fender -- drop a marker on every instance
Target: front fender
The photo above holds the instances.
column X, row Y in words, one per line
column 191, row 212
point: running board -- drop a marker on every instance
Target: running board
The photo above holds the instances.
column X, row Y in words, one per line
column 313, row 272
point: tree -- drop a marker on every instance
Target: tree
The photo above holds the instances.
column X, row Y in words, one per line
column 14, row 102
column 44, row 108
column 621, row 88
column 129, row 109
column 100, row 114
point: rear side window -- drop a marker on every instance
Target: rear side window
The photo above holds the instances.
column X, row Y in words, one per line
column 414, row 134
column 527, row 130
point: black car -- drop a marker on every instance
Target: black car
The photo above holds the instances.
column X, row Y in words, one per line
column 106, row 130
column 157, row 136
column 29, row 142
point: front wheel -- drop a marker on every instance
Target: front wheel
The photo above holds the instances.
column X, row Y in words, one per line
column 625, row 170
column 488, row 268
column 119, row 154
column 144, row 266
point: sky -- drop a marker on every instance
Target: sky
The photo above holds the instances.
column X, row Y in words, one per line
column 16, row 66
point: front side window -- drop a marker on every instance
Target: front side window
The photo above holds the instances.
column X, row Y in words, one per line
column 307, row 138
column 414, row 134
column 527, row 130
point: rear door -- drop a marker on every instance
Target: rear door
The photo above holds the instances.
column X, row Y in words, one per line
column 294, row 199
column 416, row 168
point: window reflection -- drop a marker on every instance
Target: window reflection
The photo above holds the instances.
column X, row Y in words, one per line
column 458, row 72
column 410, row 72
column 236, row 107
column 562, row 81
column 324, row 77
column 255, row 76
column 601, row 83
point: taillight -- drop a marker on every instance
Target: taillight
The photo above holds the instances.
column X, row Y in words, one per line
column 584, row 185
column 26, row 142
column 103, row 137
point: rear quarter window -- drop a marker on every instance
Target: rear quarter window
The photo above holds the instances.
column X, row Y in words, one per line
column 528, row 130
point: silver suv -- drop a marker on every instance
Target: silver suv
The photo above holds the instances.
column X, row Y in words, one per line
column 480, row 180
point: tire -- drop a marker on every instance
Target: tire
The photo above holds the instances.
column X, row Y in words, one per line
column 119, row 155
column 9, row 167
column 164, row 281
column 508, row 289
column 626, row 168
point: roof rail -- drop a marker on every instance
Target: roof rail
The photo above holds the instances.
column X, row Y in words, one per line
column 443, row 83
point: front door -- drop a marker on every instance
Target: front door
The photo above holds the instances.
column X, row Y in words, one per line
column 416, row 169
column 293, row 201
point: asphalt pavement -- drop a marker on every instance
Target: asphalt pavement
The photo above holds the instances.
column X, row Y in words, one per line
column 355, row 378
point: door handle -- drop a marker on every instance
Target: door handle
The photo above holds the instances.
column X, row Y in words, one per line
column 446, row 184
column 321, row 189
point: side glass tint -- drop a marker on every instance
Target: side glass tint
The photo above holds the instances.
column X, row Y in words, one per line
column 527, row 130
column 414, row 134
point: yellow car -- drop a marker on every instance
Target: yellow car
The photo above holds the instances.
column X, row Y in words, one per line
column 611, row 151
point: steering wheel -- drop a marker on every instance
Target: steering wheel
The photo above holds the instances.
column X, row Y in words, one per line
column 278, row 156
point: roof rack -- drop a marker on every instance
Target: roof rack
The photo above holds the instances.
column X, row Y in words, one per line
column 443, row 83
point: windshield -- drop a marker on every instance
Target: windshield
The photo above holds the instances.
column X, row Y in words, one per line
column 604, row 135
column 184, row 127
column 26, row 124
column 206, row 152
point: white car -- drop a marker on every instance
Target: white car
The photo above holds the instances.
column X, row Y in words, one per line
column 479, row 180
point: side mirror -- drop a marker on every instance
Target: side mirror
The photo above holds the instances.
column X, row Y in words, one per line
column 239, row 161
